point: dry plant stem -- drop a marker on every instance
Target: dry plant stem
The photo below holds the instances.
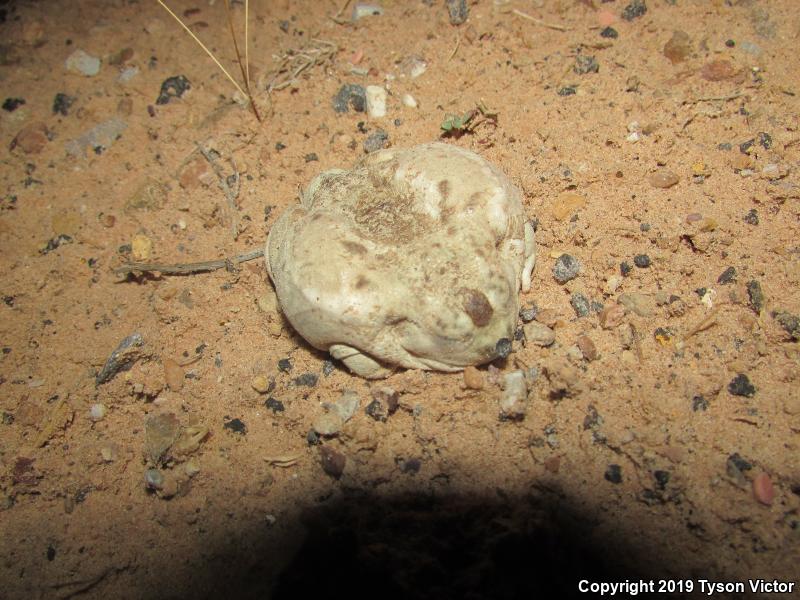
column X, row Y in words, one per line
column 242, row 68
column 228, row 264
column 519, row 13
column 231, row 193
column 337, row 18
column 294, row 62
column 244, row 93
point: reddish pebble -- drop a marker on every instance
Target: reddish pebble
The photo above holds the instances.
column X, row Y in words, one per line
column 31, row 139
column 587, row 348
column 763, row 490
column 606, row 18
column 333, row 461
column 663, row 179
column 473, row 378
column 694, row 217
column 717, row 70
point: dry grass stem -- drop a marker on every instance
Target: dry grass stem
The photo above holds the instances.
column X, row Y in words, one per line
column 292, row 63
column 229, row 264
column 539, row 22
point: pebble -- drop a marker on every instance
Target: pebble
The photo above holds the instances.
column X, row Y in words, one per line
column 678, row 47
column 458, row 11
column 191, row 468
column 153, row 479
column 790, row 324
column 413, row 66
column 513, row 402
column 236, row 426
column 376, row 141
column 637, row 303
column 62, row 104
column 12, row 104
column 285, row 365
column 306, row 379
column 82, row 63
column 274, row 405
column 122, row 358
column 585, row 64
column 348, row 402
column 699, row 403
column 609, row 32
column 663, row 179
column 539, row 334
column 328, row 424
column 642, row 261
column 127, row 73
column 612, row 284
column 566, row 268
column 473, row 378
column 634, row 10
column 791, row 404
column 503, row 348
column 141, row 247
column 173, row 87
column 566, row 205
column 173, row 374
column 756, row 295
column 97, row 412
column 409, row 101
column 384, row 403
column 350, row 95
column 528, row 314
column 196, row 173
column 625, row 269
column 727, row 276
column 361, row 10
column 376, row 101
column 587, row 348
column 31, row 139
column 613, row 474
column 763, row 490
column 333, row 461
column 741, row 386
column 98, row 139
column 611, row 316
column 260, row 384
column 718, row 70
column 160, row 432
column 580, row 304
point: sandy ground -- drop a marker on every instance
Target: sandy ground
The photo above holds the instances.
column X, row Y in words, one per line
column 662, row 425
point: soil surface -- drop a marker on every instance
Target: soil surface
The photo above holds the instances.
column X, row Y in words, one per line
column 160, row 434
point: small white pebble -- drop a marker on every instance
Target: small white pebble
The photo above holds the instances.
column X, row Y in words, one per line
column 409, row 101
column 708, row 298
column 97, row 412
column 376, row 101
column 634, row 137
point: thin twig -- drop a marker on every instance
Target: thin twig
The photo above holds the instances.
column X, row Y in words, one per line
column 337, row 18
column 188, row 268
column 453, row 53
column 539, row 22
column 294, row 62
column 203, row 46
column 231, row 193
column 727, row 98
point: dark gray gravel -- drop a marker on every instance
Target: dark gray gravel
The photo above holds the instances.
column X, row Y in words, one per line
column 741, row 386
column 350, row 95
column 458, row 11
column 566, row 268
column 377, row 141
